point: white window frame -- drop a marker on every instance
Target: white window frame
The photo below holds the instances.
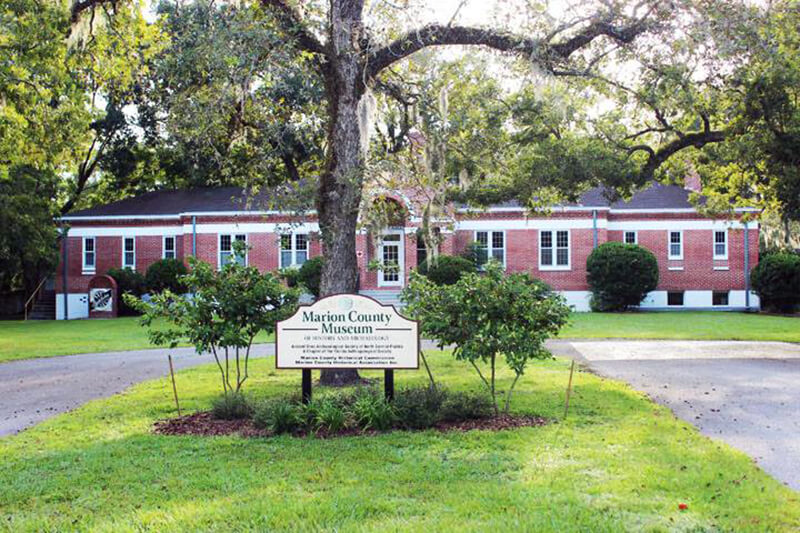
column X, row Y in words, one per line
column 174, row 247
column 554, row 248
column 88, row 269
column 233, row 239
column 124, row 265
column 714, row 244
column 635, row 237
column 293, row 249
column 489, row 244
column 669, row 245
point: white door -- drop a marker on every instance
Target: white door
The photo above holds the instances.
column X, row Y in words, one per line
column 392, row 260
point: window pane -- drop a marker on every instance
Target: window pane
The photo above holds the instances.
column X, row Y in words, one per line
column 129, row 245
column 286, row 242
column 719, row 249
column 674, row 298
column 497, row 255
column 300, row 257
column 483, row 256
column 675, row 250
column 225, row 258
column 546, row 238
column 675, row 237
column 497, row 239
column 241, row 237
column 547, row 256
column 89, row 258
column 562, row 239
column 129, row 259
column 719, row 236
column 89, row 245
column 482, row 237
column 286, row 258
column 225, row 243
column 720, row 298
column 630, row 237
column 562, row 256
column 301, row 241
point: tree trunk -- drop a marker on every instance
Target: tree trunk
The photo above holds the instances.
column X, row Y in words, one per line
column 339, row 195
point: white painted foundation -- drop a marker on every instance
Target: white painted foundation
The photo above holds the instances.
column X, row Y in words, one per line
column 657, row 300
column 78, row 304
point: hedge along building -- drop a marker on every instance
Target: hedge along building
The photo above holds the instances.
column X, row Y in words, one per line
column 703, row 261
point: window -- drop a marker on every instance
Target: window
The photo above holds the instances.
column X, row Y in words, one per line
column 554, row 250
column 675, row 298
column 675, row 245
column 294, row 249
column 491, row 245
column 88, row 254
column 719, row 298
column 630, row 237
column 422, row 251
column 129, row 252
column 169, row 248
column 226, row 249
column 721, row 244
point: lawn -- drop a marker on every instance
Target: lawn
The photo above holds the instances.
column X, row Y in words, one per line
column 619, row 462
column 46, row 338
column 708, row 325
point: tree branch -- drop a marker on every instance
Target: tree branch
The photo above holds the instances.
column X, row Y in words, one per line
column 292, row 23
column 544, row 52
column 658, row 157
column 82, row 5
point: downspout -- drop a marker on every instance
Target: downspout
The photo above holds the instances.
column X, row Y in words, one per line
column 64, row 231
column 594, row 228
column 194, row 236
column 746, row 267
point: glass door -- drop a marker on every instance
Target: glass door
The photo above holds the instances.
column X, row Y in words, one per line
column 391, row 256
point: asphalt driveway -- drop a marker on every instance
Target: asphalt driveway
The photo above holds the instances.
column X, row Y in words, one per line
column 744, row 393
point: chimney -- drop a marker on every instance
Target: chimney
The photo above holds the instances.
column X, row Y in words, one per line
column 691, row 182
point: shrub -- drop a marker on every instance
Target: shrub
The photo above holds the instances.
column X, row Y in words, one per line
column 128, row 282
column 474, row 253
column 620, row 275
column 231, row 406
column 309, row 275
column 418, row 408
column 279, row 416
column 448, row 269
column 370, row 410
column 166, row 274
column 776, row 280
column 459, row 406
column 326, row 413
column 487, row 316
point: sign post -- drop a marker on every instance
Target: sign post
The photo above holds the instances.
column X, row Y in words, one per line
column 347, row 331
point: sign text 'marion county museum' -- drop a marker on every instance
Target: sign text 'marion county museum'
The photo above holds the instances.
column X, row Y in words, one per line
column 347, row 331
column 703, row 260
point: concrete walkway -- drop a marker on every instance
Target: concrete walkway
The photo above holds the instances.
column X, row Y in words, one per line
column 744, row 393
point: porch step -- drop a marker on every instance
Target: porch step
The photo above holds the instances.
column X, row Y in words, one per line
column 385, row 297
column 45, row 307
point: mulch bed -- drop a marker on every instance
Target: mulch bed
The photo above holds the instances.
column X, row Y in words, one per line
column 204, row 424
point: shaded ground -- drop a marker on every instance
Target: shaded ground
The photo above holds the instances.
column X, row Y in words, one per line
column 744, row 393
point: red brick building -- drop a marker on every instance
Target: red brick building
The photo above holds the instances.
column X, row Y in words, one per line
column 703, row 261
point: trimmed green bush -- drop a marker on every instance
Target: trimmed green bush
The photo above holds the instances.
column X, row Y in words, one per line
column 166, row 274
column 128, row 282
column 620, row 275
column 460, row 406
column 231, row 406
column 776, row 280
column 448, row 269
column 309, row 275
column 418, row 408
column 279, row 416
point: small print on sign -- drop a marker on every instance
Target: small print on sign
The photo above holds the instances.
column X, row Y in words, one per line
column 347, row 331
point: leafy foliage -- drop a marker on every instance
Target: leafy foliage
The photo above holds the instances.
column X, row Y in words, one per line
column 418, row 407
column 308, row 275
column 462, row 405
column 227, row 309
column 279, row 416
column 371, row 411
column 448, row 269
column 327, row 413
column 776, row 280
column 489, row 315
column 231, row 406
column 166, row 274
column 620, row 275
column 130, row 282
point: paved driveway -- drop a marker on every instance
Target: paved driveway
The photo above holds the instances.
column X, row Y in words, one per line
column 744, row 393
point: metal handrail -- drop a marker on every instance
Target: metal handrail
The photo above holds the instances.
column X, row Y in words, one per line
column 32, row 296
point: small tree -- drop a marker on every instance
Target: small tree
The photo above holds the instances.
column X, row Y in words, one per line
column 776, row 280
column 488, row 315
column 620, row 275
column 448, row 269
column 226, row 310
column 129, row 282
column 166, row 274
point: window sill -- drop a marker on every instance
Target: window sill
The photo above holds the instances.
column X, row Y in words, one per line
column 675, row 268
column 86, row 272
column 546, row 268
column 722, row 268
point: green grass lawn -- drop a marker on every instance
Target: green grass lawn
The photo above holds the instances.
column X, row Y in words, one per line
column 702, row 325
column 618, row 463
column 46, row 338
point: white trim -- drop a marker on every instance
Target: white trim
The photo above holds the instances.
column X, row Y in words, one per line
column 722, row 268
column 233, row 238
column 186, row 229
column 125, row 238
column 675, row 269
column 401, row 258
column 723, row 257
column 536, row 223
column 635, row 236
column 694, row 224
column 554, row 240
column 121, row 217
column 88, row 269
column 489, row 244
column 173, row 216
column 670, row 256
column 164, row 246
